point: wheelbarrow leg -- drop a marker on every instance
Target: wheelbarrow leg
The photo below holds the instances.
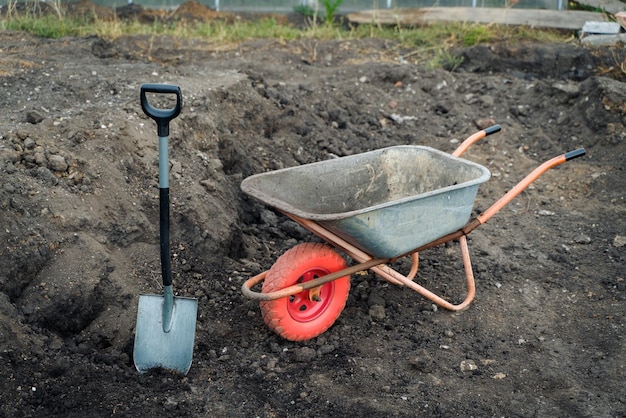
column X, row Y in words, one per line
column 390, row 274
column 415, row 262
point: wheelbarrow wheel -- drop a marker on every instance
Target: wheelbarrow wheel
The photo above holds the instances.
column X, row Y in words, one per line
column 311, row 312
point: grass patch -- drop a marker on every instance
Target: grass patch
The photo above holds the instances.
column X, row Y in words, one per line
column 45, row 25
column 431, row 43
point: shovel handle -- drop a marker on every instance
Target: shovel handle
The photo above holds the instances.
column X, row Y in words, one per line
column 161, row 116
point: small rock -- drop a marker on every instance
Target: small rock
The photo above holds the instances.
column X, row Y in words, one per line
column 57, row 163
column 468, row 366
column 47, row 176
column 60, row 367
column 56, row 344
column 170, row 404
column 304, row 354
column 484, row 123
column 269, row 217
column 423, row 362
column 544, row 212
column 177, row 169
column 570, row 89
column 487, row 102
column 396, row 118
column 375, row 299
column 498, row 376
column 582, row 239
column 208, row 185
column 9, row 155
column 29, row 143
column 326, row 349
column 40, row 159
column 34, row 117
column 28, row 309
column 271, row 364
column 619, row 241
column 10, row 168
column 377, row 312
column 275, row 347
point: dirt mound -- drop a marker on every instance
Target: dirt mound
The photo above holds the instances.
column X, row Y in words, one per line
column 192, row 10
column 79, row 229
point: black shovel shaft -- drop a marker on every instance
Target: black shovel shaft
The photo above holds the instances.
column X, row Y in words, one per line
column 164, row 237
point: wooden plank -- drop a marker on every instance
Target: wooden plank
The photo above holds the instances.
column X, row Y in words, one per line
column 556, row 19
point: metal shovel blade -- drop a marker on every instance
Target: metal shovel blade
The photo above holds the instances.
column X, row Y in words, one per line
column 171, row 346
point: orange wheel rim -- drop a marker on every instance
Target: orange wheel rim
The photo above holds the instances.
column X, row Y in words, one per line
column 300, row 306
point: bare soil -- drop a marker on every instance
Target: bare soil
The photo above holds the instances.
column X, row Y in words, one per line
column 545, row 335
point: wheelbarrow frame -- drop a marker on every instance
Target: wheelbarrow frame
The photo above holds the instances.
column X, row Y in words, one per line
column 381, row 267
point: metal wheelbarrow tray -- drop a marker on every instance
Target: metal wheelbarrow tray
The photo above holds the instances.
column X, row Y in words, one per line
column 375, row 207
column 385, row 202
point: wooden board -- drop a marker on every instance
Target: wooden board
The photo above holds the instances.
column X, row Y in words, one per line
column 556, row 19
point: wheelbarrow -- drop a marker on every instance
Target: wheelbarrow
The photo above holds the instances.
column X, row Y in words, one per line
column 375, row 207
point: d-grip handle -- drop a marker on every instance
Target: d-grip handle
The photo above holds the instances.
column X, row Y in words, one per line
column 161, row 116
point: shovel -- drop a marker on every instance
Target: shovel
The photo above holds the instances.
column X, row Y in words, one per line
column 166, row 325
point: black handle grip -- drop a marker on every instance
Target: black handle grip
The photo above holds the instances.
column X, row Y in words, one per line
column 492, row 130
column 161, row 116
column 574, row 154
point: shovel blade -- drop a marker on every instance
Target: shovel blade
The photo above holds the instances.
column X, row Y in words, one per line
column 155, row 348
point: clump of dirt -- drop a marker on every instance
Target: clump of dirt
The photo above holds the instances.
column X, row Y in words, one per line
column 80, row 212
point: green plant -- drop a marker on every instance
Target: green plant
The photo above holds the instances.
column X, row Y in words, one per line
column 446, row 60
column 331, row 7
column 476, row 34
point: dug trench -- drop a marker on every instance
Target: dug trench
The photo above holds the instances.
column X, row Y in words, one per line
column 79, row 229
